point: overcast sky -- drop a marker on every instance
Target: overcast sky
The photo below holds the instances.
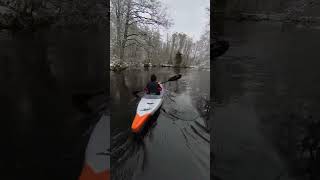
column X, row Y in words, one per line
column 189, row 16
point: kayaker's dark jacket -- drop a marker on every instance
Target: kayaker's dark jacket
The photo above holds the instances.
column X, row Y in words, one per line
column 153, row 87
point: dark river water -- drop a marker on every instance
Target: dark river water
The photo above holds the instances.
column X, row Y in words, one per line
column 53, row 91
column 267, row 93
column 175, row 144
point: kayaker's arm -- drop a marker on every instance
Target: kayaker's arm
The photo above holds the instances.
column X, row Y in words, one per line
column 146, row 90
column 159, row 87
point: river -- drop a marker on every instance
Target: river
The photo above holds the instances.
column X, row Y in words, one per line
column 266, row 93
column 51, row 97
column 175, row 144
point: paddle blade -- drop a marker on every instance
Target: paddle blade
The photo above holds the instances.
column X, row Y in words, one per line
column 174, row 78
column 135, row 93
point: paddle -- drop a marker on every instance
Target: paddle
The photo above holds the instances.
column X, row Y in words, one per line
column 173, row 78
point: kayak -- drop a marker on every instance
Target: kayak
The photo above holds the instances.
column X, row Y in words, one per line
column 147, row 106
column 97, row 162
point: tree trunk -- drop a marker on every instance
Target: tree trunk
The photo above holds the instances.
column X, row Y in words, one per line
column 118, row 26
column 172, row 49
column 125, row 34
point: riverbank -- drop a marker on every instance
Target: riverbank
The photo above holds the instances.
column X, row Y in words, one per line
column 117, row 65
column 311, row 21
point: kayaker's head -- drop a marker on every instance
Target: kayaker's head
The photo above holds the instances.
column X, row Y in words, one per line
column 153, row 77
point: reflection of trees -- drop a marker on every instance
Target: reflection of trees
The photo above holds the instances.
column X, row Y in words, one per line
column 203, row 106
column 229, row 77
column 176, row 83
column 290, row 124
column 177, row 70
column 122, row 87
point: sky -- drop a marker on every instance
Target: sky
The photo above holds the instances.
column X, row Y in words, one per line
column 188, row 16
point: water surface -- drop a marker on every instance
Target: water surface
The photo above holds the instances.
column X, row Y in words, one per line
column 175, row 145
column 266, row 87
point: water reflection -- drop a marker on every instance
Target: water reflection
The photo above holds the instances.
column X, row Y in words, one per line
column 50, row 99
column 230, row 77
column 265, row 97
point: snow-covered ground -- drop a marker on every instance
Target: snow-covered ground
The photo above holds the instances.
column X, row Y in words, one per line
column 117, row 65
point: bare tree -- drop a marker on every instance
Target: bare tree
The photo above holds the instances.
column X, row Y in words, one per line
column 135, row 35
column 130, row 17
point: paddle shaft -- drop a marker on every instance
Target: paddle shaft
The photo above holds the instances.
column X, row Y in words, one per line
column 173, row 78
column 164, row 82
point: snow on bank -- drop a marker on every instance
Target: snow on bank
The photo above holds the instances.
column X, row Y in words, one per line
column 117, row 65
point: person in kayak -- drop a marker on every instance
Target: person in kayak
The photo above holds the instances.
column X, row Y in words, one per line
column 153, row 87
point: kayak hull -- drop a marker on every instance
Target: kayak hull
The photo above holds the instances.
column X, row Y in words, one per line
column 89, row 174
column 139, row 122
column 97, row 164
column 147, row 106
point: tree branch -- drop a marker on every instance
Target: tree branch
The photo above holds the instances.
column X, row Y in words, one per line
column 134, row 40
column 139, row 45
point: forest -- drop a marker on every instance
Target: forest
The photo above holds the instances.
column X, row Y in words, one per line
column 135, row 37
column 135, row 27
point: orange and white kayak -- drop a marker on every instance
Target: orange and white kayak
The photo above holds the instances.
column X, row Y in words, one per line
column 147, row 106
column 97, row 162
